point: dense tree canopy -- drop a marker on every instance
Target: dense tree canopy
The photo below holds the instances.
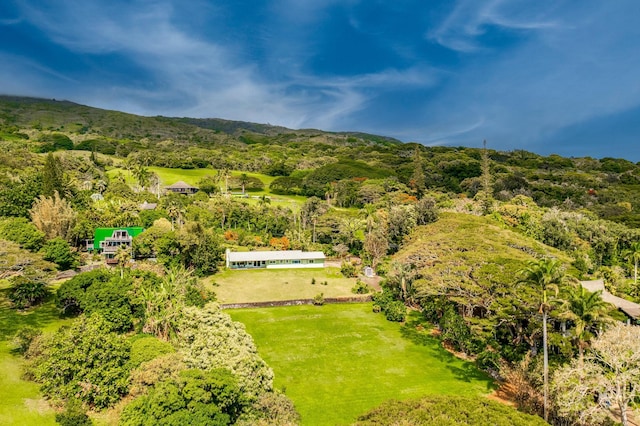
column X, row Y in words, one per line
column 85, row 361
column 447, row 411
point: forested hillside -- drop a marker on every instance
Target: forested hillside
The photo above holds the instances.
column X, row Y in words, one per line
column 479, row 248
column 604, row 186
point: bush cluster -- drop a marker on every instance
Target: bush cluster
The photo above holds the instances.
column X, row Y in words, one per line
column 394, row 310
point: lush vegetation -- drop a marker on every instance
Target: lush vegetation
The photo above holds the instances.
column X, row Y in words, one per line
column 480, row 246
column 346, row 358
column 20, row 400
column 447, row 411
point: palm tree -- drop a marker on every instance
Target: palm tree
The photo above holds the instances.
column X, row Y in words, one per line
column 225, row 174
column 244, row 179
column 123, row 256
column 369, row 212
column 632, row 254
column 142, row 175
column 586, row 310
column 545, row 274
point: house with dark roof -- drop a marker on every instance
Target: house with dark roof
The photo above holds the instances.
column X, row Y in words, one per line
column 278, row 259
column 181, row 187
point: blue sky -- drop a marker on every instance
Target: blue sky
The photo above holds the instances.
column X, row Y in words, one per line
column 546, row 76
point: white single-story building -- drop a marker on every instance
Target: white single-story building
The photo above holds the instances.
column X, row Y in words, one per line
column 275, row 259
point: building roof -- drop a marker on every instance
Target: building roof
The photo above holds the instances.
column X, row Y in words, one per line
column 180, row 185
column 148, row 206
column 246, row 256
column 101, row 233
column 629, row 308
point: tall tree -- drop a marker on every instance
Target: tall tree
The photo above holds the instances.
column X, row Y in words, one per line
column 376, row 247
column 369, row 213
column 244, row 179
column 142, row 175
column 123, row 256
column 587, row 311
column 546, row 275
column 485, row 196
column 418, row 180
column 164, row 302
column 311, row 210
column 632, row 254
column 52, row 176
column 607, row 384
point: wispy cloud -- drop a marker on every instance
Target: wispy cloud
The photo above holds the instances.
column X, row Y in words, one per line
column 517, row 73
column 469, row 19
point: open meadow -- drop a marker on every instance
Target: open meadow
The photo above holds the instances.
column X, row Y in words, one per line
column 265, row 285
column 339, row 361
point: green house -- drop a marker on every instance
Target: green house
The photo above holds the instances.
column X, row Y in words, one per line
column 108, row 240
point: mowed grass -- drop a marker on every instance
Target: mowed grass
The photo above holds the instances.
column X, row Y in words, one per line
column 170, row 176
column 20, row 401
column 265, row 285
column 339, row 361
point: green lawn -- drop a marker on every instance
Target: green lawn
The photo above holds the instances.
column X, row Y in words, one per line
column 20, row 401
column 170, row 176
column 339, row 361
column 263, row 285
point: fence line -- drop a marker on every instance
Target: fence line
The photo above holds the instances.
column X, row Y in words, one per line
column 295, row 302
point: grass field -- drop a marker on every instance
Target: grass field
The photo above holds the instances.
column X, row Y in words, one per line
column 192, row 176
column 339, row 361
column 262, row 285
column 20, row 401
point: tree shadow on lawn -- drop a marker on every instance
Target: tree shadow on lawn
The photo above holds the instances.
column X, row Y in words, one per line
column 420, row 332
column 469, row 372
column 417, row 330
column 11, row 319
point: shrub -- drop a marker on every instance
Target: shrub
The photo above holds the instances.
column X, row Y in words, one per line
column 26, row 292
column 195, row 296
column 456, row 331
column 348, row 269
column 360, row 288
column 488, row 360
column 23, row 338
column 54, row 142
column 22, row 231
column 271, row 408
column 148, row 374
column 318, row 299
column 59, row 252
column 73, row 415
column 396, row 311
column 146, row 348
